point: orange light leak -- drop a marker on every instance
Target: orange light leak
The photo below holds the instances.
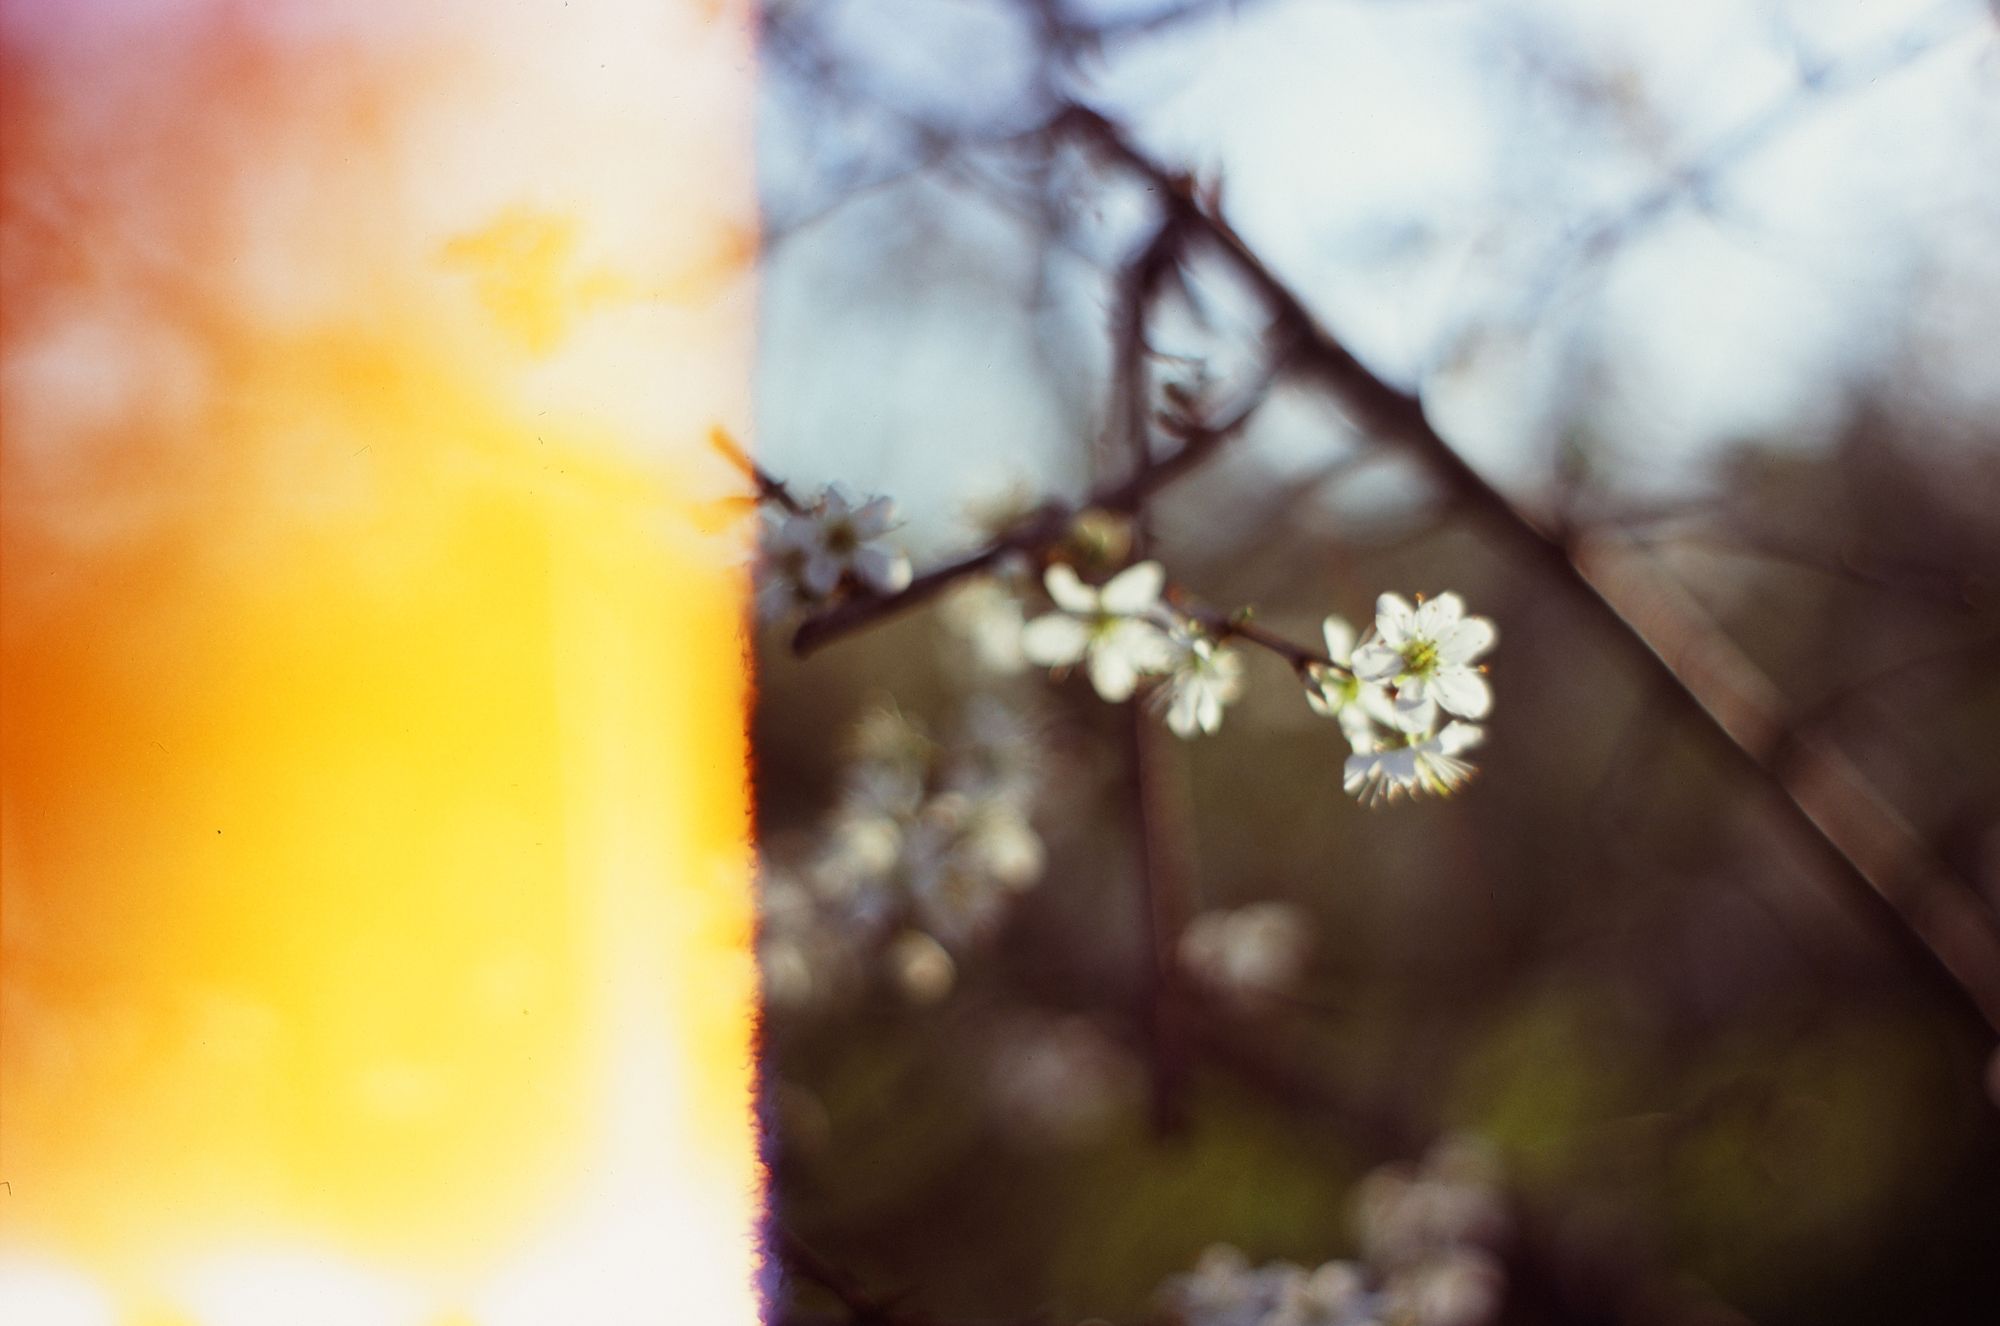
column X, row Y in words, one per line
column 376, row 914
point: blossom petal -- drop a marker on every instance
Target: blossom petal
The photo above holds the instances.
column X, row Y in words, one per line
column 1375, row 703
column 820, row 574
column 1466, row 640
column 834, row 504
column 1135, row 590
column 882, row 570
column 796, row 534
column 1054, row 640
column 1209, row 710
column 1462, row 691
column 1112, row 673
column 1321, row 687
column 1359, row 730
column 1437, row 615
column 1226, row 674
column 1395, row 619
column 1145, row 646
column 1068, row 590
column 1416, row 709
column 1458, row 737
column 1339, row 633
column 874, row 519
column 1376, row 661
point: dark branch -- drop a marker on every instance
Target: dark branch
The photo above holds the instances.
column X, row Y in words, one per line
column 1884, row 870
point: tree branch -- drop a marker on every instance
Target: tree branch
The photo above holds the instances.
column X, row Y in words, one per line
column 1884, row 870
column 1036, row 532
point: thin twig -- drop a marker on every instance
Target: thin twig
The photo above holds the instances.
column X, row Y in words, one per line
column 1034, row 533
column 768, row 488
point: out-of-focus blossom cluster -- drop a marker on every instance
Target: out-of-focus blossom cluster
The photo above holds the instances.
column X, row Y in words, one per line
column 1061, row 1081
column 1247, row 952
column 925, row 845
column 1428, row 1240
column 814, row 553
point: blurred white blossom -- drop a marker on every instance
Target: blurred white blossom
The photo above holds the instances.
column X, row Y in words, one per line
column 922, row 968
column 1206, row 676
column 1226, row 1290
column 1409, row 1214
column 1247, row 951
column 1115, row 631
column 810, row 555
column 1061, row 1082
column 987, row 616
column 803, row 963
column 925, row 845
column 784, row 556
column 1429, row 1235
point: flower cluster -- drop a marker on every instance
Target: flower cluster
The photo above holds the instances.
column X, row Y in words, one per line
column 1123, row 633
column 1401, row 694
column 925, row 845
column 1428, row 1237
column 811, row 553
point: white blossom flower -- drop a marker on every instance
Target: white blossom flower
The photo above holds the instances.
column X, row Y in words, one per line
column 786, row 553
column 1205, row 678
column 1112, row 630
column 1427, row 652
column 842, row 539
column 1413, row 764
column 1357, row 705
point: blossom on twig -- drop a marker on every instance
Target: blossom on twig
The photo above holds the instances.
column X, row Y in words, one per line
column 1389, row 691
column 811, row 553
column 1426, row 653
column 1412, row 764
column 1114, row 630
column 1335, row 692
column 1206, row 677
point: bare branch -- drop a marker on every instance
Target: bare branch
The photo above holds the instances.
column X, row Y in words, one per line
column 1883, row 868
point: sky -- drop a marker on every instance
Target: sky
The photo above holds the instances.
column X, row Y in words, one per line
column 1811, row 185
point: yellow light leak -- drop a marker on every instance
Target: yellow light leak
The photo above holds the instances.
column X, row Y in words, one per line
column 375, row 936
column 387, row 895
